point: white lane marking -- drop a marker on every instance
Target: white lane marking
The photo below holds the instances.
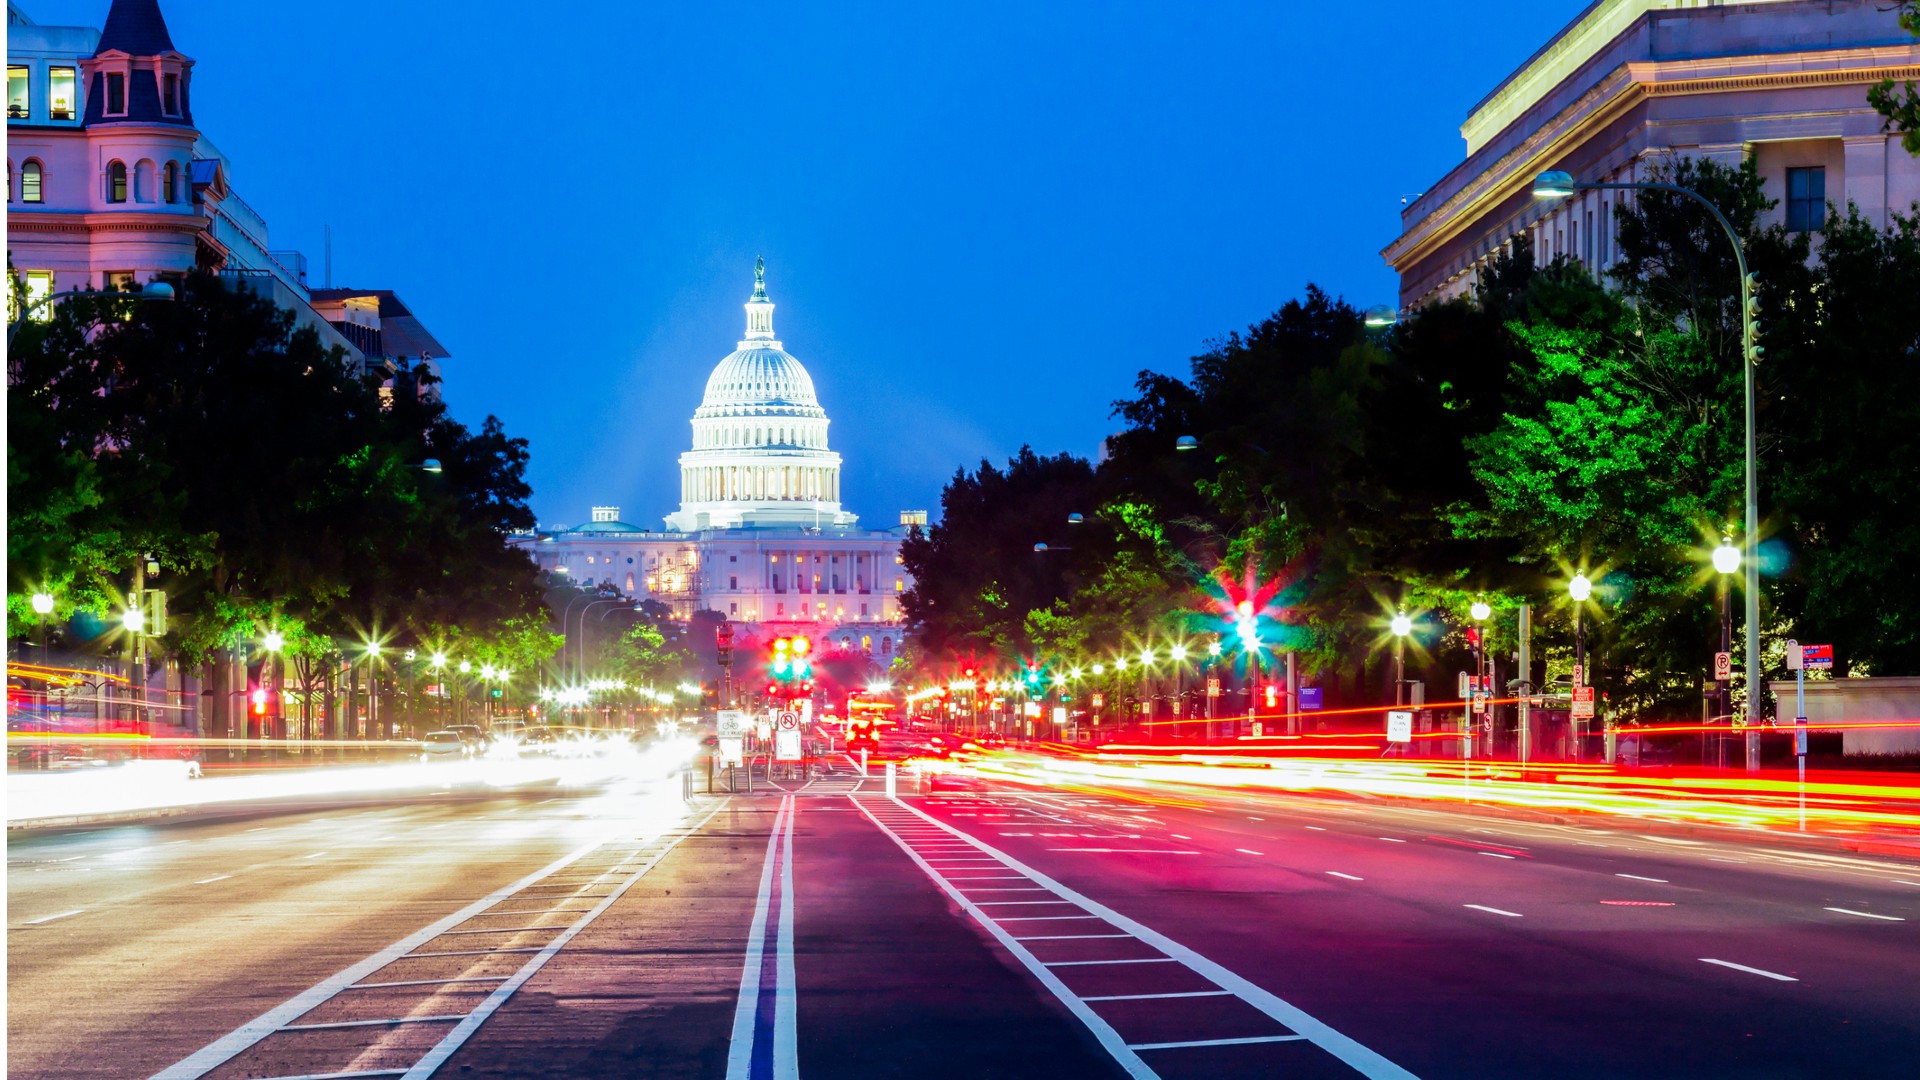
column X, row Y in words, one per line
column 1637, row 877
column 1716, row 858
column 170, row 843
column 1315, row 828
column 1104, row 963
column 1867, row 914
column 1393, row 840
column 70, row 858
column 214, row 878
column 1248, row 851
column 1367, row 1062
column 50, row 918
column 1069, row 937
column 1016, row 834
column 213, row 1055
column 1349, row 877
column 1177, row 836
column 1250, row 817
column 1044, row 918
column 740, row 1052
column 1494, row 910
column 256, row 828
column 786, row 1039
column 1216, row 1042
column 1749, row 970
column 1495, row 855
column 315, row 855
column 1896, row 881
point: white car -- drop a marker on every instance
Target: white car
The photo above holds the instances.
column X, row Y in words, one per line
column 444, row 746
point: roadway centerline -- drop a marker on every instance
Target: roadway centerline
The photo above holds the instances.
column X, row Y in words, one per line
column 50, row 918
column 1637, row 877
column 1494, row 910
column 1349, row 877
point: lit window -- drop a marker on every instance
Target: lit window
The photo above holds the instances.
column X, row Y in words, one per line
column 116, row 94
column 170, row 95
column 120, row 281
column 899, row 585
column 170, row 182
column 19, row 105
column 1806, row 199
column 60, row 93
column 117, row 182
column 733, row 609
column 39, row 287
column 30, row 182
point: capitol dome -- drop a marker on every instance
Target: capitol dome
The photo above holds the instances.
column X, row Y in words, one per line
column 760, row 453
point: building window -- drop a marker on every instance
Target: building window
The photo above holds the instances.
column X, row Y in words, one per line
column 1806, row 199
column 863, row 611
column 170, row 189
column 30, row 182
column 120, row 281
column 733, row 609
column 117, row 183
column 733, row 558
column 733, row 582
column 116, row 94
column 886, row 646
column 60, row 93
column 779, row 611
column 19, row 104
column 899, row 585
column 170, row 95
column 39, row 287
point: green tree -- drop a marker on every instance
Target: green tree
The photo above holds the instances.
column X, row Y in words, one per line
column 1899, row 102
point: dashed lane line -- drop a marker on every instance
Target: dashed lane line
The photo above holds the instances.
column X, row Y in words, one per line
column 1637, row 877
column 1349, row 877
column 51, row 918
column 1494, row 910
column 1750, row 970
column 1867, row 914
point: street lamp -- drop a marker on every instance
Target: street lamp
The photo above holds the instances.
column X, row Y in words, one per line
column 1579, row 589
column 1726, row 561
column 1559, row 185
column 43, row 607
column 154, row 290
column 1401, row 627
column 1481, row 612
column 1380, row 316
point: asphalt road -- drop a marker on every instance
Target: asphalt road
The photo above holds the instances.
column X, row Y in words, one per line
column 991, row 931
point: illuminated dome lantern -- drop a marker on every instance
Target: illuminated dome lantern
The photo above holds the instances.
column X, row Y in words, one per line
column 760, row 455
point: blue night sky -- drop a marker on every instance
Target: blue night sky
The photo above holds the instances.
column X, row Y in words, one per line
column 980, row 221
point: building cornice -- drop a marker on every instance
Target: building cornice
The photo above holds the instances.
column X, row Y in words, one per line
column 1630, row 85
column 109, row 221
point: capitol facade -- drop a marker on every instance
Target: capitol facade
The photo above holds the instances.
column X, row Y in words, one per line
column 760, row 536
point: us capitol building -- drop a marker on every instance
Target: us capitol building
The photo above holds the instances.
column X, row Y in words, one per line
column 760, row 536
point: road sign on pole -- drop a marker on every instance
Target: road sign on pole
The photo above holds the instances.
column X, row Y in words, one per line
column 1582, row 701
column 1817, row 657
column 1400, row 726
column 1723, row 667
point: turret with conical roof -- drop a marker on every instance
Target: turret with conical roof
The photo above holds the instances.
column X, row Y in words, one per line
column 135, row 75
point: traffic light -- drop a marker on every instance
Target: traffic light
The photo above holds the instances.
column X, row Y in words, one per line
column 259, row 701
column 1750, row 320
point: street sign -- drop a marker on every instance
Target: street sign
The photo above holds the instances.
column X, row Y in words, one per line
column 1582, row 701
column 1098, row 701
column 1259, row 730
column 1400, row 727
column 1309, row 697
column 786, row 744
column 733, row 724
column 731, row 752
column 1817, row 657
column 1213, row 687
column 1579, row 675
column 1480, row 703
column 1723, row 667
column 1059, row 714
column 1793, row 655
column 1467, row 685
column 788, row 721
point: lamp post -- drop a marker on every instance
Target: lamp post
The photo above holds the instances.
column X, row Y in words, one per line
column 273, row 641
column 1401, row 627
column 1248, row 629
column 1559, row 185
column 1726, row 561
column 580, row 647
column 1480, row 611
column 155, row 290
column 1579, row 589
column 373, row 689
column 43, row 607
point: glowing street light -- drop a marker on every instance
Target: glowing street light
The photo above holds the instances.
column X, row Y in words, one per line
column 133, row 619
column 273, row 641
column 1726, row 558
column 42, row 603
column 1401, row 627
column 1480, row 611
